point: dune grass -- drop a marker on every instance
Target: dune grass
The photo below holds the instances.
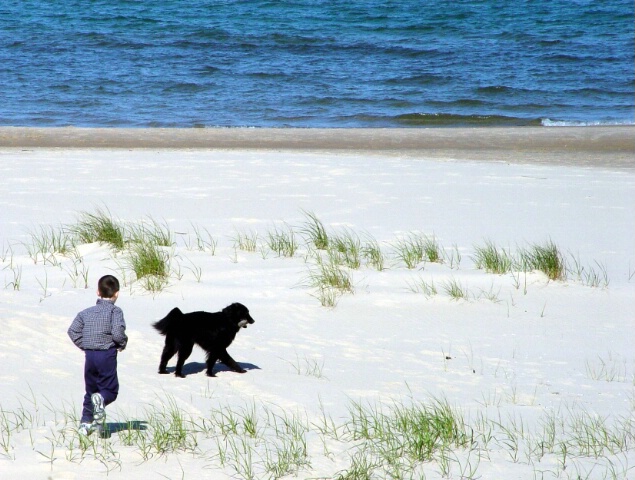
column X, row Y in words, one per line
column 150, row 231
column 282, row 241
column 329, row 279
column 205, row 242
column 258, row 440
column 150, row 245
column 409, row 250
column 314, row 231
column 345, row 249
column 15, row 281
column 150, row 264
column 546, row 258
column 493, row 259
column 455, row 289
column 415, row 248
column 401, row 432
column 101, row 227
column 421, row 285
column 48, row 241
column 246, row 241
column 309, row 367
column 592, row 276
column 373, row 254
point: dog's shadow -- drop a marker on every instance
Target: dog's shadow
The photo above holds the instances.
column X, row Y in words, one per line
column 198, row 367
column 116, row 427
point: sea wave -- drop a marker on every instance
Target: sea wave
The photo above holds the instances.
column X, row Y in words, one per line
column 455, row 120
column 608, row 123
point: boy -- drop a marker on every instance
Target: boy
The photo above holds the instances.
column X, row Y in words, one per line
column 100, row 331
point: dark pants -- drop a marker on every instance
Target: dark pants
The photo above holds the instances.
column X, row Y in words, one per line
column 100, row 376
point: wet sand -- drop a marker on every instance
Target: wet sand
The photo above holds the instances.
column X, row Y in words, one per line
column 612, row 147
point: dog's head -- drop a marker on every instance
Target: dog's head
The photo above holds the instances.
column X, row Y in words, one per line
column 239, row 314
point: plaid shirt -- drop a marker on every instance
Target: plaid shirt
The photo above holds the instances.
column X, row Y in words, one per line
column 99, row 328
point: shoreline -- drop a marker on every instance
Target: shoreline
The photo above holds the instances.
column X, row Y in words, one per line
column 602, row 146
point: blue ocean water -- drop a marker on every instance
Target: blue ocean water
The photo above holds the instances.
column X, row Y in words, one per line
column 316, row 63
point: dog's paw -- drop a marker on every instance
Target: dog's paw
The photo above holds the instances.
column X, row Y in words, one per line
column 210, row 374
column 163, row 372
column 179, row 375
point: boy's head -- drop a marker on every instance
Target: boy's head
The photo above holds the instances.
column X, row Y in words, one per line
column 108, row 287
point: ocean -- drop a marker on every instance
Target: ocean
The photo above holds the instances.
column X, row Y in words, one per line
column 316, row 63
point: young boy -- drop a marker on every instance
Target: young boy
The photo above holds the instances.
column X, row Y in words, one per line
column 100, row 331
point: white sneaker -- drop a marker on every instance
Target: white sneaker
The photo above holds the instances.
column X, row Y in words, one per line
column 85, row 429
column 99, row 409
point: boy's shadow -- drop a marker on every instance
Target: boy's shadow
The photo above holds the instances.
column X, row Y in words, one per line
column 115, row 427
column 198, row 367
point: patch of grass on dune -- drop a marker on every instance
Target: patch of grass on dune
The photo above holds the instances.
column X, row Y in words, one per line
column 205, row 242
column 147, row 243
column 329, row 280
column 261, row 440
column 46, row 241
column 100, row 227
column 315, row 232
column 416, row 248
column 455, row 289
column 546, row 258
column 372, row 252
column 150, row 264
column 151, row 231
column 282, row 241
column 246, row 241
column 346, row 249
column 493, row 259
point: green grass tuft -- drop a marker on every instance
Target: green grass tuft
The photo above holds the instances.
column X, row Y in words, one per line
column 147, row 259
column 492, row 259
column 99, row 227
column 246, row 241
column 545, row 258
column 330, row 280
column 371, row 251
column 315, row 231
column 420, row 285
column 282, row 242
column 416, row 248
column 346, row 249
column 48, row 241
column 455, row 290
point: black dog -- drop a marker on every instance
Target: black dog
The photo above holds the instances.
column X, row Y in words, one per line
column 213, row 332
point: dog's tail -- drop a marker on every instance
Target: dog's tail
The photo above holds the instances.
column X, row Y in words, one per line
column 167, row 323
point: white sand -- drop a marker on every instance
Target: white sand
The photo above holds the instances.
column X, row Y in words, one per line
column 542, row 350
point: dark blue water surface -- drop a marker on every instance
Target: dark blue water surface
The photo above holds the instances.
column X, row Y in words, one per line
column 355, row 63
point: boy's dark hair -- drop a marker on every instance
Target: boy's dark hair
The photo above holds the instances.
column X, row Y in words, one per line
column 107, row 286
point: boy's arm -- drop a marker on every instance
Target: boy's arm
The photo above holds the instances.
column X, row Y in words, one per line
column 76, row 331
column 119, row 329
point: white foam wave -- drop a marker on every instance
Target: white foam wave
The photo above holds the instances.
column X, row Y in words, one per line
column 546, row 122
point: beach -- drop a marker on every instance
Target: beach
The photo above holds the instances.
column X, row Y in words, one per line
column 539, row 372
column 609, row 146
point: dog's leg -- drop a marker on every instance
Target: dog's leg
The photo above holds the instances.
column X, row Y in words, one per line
column 168, row 352
column 230, row 362
column 210, row 362
column 184, row 352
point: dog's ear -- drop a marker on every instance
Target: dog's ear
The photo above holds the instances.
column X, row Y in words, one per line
column 238, row 312
column 232, row 309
